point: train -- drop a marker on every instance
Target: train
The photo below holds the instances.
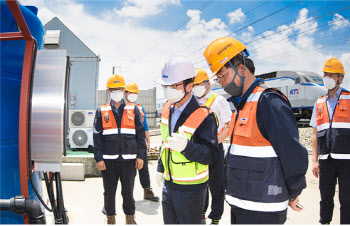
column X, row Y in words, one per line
column 302, row 88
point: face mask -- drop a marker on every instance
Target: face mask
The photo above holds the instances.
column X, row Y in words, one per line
column 173, row 95
column 199, row 91
column 233, row 89
column 116, row 95
column 329, row 83
column 132, row 97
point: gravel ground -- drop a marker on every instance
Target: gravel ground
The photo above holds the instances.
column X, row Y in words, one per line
column 305, row 137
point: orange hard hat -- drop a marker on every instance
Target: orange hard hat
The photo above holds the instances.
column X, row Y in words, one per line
column 132, row 87
column 115, row 81
column 333, row 65
column 200, row 76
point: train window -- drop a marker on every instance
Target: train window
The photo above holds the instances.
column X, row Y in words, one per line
column 307, row 80
column 317, row 79
column 297, row 80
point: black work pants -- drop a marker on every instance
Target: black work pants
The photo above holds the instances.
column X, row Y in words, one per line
column 144, row 173
column 216, row 187
column 331, row 170
column 126, row 172
column 182, row 207
column 242, row 216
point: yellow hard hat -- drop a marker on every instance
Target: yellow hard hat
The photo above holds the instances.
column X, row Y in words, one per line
column 220, row 51
column 132, row 87
column 115, row 81
column 200, row 76
column 333, row 65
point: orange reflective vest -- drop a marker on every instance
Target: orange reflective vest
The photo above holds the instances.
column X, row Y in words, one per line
column 177, row 168
column 255, row 179
column 141, row 111
column 333, row 134
column 119, row 141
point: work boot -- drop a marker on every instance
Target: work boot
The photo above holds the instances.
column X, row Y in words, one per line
column 130, row 219
column 111, row 219
column 149, row 195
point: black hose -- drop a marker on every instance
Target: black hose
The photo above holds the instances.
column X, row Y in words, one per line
column 63, row 210
column 21, row 205
column 50, row 194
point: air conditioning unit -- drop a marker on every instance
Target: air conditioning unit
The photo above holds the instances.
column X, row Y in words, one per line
column 81, row 118
column 80, row 137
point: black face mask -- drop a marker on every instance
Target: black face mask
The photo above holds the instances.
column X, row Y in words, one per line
column 232, row 88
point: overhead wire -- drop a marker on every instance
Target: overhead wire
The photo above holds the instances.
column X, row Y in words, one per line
column 238, row 29
column 174, row 29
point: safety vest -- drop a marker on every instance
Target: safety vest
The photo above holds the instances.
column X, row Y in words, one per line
column 255, row 179
column 177, row 168
column 141, row 111
column 208, row 103
column 211, row 100
column 333, row 134
column 119, row 141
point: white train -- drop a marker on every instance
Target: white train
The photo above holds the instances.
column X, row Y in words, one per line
column 302, row 88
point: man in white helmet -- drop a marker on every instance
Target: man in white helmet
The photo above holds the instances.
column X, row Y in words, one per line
column 190, row 144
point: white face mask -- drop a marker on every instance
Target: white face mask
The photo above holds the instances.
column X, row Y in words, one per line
column 199, row 91
column 116, row 95
column 132, row 97
column 173, row 95
column 329, row 83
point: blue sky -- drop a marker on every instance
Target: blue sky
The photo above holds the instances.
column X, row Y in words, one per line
column 141, row 35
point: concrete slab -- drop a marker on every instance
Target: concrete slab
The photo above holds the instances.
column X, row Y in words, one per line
column 84, row 202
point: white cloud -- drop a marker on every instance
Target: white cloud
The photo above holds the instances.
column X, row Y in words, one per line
column 345, row 59
column 236, row 16
column 338, row 22
column 142, row 8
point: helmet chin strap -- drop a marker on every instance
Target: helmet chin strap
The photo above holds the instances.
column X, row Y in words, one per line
column 183, row 82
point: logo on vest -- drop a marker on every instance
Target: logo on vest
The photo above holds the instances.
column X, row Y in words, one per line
column 319, row 111
column 106, row 118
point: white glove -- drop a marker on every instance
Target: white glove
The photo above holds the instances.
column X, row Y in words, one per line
column 178, row 142
column 159, row 178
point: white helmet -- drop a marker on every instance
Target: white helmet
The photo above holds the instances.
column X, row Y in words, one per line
column 177, row 69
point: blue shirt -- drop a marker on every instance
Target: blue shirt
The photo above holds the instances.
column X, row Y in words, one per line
column 176, row 114
column 145, row 124
column 331, row 104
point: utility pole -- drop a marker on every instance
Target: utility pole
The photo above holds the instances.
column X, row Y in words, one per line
column 120, row 69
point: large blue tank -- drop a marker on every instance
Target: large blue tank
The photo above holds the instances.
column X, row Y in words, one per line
column 12, row 53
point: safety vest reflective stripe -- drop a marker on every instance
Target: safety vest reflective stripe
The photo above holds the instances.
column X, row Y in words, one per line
column 322, row 127
column 323, row 156
column 335, row 156
column 115, row 131
column 341, row 125
column 164, row 121
column 131, row 156
column 254, row 97
column 257, row 206
column 321, row 100
column 345, row 97
column 110, row 156
column 335, row 125
column 188, row 129
column 129, row 107
column 166, row 145
column 199, row 176
column 252, row 151
column 211, row 100
column 106, row 108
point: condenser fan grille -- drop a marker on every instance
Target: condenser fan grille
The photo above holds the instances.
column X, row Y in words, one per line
column 80, row 137
column 78, row 118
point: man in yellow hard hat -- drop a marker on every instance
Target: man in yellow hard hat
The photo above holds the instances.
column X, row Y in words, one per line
column 331, row 143
column 131, row 94
column 217, row 103
column 189, row 134
column 119, row 148
column 265, row 163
